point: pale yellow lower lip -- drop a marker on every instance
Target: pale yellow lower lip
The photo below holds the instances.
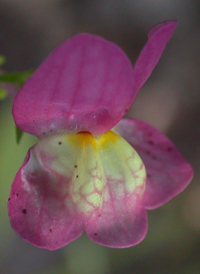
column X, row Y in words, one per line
column 92, row 167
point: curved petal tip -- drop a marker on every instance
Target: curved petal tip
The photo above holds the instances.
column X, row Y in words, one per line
column 158, row 38
column 167, row 26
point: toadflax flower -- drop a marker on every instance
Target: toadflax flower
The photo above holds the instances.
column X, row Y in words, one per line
column 91, row 170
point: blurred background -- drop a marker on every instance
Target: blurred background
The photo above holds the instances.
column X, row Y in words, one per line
column 170, row 100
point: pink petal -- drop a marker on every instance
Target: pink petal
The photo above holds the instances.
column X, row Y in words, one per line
column 158, row 37
column 86, row 84
column 168, row 173
column 121, row 222
column 38, row 210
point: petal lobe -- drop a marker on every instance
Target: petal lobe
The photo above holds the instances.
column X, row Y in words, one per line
column 168, row 173
column 84, row 85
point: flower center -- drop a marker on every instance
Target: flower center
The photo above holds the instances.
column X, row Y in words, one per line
column 87, row 169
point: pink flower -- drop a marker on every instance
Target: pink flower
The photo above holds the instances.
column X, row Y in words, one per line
column 84, row 173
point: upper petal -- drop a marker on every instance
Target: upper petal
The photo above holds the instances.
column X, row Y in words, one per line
column 85, row 84
column 168, row 173
column 158, row 37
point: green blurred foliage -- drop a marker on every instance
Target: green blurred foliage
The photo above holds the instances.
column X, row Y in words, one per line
column 3, row 94
column 2, row 60
column 16, row 77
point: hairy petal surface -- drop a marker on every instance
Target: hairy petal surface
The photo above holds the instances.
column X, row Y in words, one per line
column 86, row 84
column 168, row 173
column 40, row 208
column 158, row 37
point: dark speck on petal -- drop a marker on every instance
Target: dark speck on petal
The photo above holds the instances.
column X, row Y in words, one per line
column 150, row 142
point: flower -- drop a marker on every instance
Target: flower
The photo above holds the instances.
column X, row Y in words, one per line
column 84, row 173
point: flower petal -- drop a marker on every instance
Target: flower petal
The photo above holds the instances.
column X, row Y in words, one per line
column 168, row 173
column 158, row 37
column 86, row 84
column 40, row 208
column 121, row 223
column 120, row 220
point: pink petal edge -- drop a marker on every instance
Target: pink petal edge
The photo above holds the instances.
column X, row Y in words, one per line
column 168, row 173
column 158, row 37
column 121, row 223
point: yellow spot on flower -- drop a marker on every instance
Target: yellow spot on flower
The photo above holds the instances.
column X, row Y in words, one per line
column 85, row 138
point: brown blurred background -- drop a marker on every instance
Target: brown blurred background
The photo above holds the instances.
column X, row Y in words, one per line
column 170, row 100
